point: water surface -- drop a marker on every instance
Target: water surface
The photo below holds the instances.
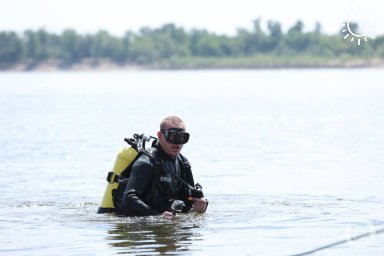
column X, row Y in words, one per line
column 290, row 160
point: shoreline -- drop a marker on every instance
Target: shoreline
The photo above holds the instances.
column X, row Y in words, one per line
column 301, row 62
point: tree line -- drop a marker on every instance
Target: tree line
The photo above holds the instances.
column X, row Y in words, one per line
column 170, row 43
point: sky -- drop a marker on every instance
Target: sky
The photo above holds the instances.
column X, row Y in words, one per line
column 221, row 17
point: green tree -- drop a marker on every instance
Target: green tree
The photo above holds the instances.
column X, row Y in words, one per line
column 32, row 45
column 205, row 44
column 275, row 39
column 169, row 43
column 10, row 49
column 104, row 45
column 69, row 42
column 297, row 28
column 143, row 50
column 296, row 40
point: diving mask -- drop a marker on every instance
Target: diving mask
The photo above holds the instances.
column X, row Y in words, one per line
column 176, row 136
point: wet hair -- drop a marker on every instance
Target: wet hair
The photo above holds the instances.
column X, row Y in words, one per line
column 172, row 120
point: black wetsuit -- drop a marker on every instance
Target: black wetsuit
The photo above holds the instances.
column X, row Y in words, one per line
column 152, row 188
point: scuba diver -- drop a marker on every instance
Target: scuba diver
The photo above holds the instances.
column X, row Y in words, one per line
column 161, row 180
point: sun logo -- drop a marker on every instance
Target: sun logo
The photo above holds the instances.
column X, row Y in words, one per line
column 353, row 35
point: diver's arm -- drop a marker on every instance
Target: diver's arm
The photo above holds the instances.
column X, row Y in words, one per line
column 133, row 203
column 140, row 177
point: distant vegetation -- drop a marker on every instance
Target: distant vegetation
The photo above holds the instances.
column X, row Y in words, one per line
column 172, row 47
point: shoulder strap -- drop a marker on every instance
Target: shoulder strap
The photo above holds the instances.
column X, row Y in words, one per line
column 184, row 160
column 187, row 169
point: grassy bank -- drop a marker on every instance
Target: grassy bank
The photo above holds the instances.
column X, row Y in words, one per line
column 177, row 63
column 268, row 62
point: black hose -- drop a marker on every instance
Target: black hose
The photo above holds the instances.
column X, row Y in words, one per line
column 340, row 242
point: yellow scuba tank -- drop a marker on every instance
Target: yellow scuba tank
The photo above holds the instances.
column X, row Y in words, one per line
column 124, row 158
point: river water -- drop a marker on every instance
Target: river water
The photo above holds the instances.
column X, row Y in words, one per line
column 290, row 160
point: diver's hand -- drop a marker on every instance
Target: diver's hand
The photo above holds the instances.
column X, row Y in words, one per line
column 199, row 204
column 168, row 215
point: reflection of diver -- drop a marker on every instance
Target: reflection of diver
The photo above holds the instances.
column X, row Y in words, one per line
column 153, row 235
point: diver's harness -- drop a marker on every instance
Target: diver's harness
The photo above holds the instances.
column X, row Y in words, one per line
column 138, row 143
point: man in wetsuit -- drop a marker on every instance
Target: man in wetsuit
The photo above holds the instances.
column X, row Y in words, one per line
column 153, row 187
